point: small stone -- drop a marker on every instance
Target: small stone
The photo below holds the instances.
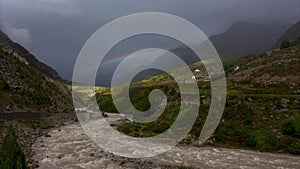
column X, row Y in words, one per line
column 36, row 166
column 195, row 144
column 249, row 99
column 60, row 156
column 296, row 102
column 30, row 161
column 30, row 166
column 8, row 108
column 122, row 163
column 48, row 135
column 104, row 115
column 283, row 110
column 284, row 102
column 210, row 142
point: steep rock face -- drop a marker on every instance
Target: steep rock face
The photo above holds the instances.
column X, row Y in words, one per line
column 16, row 49
column 27, row 85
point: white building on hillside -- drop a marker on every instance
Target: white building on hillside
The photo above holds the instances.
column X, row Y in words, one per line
column 235, row 68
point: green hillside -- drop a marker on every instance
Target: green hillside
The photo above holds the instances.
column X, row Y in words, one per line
column 262, row 110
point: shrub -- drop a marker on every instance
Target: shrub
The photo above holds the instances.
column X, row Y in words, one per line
column 268, row 142
column 246, row 113
column 291, row 127
column 11, row 155
column 106, row 103
column 172, row 91
column 250, row 141
column 220, row 135
column 285, row 44
column 294, row 148
column 234, row 133
column 240, row 113
column 3, row 84
column 288, row 128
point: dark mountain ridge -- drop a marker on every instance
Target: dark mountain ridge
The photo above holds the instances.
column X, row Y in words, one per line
column 20, row 50
column 27, row 85
column 245, row 38
column 291, row 35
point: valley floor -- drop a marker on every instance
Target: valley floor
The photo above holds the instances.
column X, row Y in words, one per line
column 68, row 147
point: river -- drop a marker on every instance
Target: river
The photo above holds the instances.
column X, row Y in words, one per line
column 69, row 147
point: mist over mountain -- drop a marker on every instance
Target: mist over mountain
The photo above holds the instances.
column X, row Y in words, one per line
column 291, row 35
column 245, row 38
column 242, row 38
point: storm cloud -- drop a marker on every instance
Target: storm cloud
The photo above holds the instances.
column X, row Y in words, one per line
column 55, row 30
column 20, row 35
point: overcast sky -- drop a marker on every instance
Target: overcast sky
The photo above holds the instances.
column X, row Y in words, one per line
column 55, row 30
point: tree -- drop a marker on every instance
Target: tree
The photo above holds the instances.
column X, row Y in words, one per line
column 11, row 154
column 285, row 44
column 3, row 84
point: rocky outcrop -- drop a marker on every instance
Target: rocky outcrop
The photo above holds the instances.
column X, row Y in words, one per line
column 27, row 85
column 18, row 51
column 274, row 68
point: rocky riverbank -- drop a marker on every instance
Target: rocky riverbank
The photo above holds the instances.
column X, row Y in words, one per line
column 69, row 147
column 32, row 126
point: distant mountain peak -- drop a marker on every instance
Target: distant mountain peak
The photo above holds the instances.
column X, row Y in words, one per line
column 244, row 38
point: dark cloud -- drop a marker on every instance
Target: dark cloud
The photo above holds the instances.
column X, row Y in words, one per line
column 20, row 35
column 55, row 30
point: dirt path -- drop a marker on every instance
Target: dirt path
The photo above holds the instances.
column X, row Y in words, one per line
column 68, row 147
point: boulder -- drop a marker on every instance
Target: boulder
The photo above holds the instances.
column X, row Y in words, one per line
column 283, row 110
column 284, row 102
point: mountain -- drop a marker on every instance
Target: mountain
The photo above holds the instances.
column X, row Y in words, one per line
column 20, row 50
column 240, row 39
column 275, row 71
column 245, row 38
column 27, row 85
column 292, row 35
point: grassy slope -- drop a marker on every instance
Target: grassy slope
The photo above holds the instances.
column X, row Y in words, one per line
column 254, row 117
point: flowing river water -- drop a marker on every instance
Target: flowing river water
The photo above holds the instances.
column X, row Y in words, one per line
column 68, row 147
